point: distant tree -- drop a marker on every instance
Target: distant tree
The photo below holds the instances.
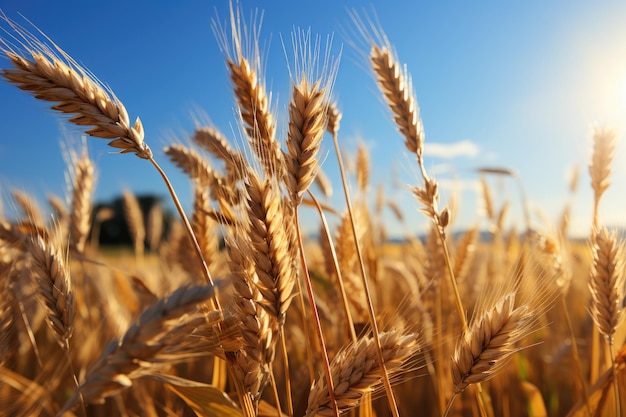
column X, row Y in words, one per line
column 113, row 229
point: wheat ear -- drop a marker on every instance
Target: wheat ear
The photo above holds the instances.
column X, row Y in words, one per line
column 489, row 342
column 215, row 142
column 356, row 372
column 397, row 88
column 333, row 116
column 55, row 288
column 8, row 328
column 155, row 226
column 30, row 209
column 57, row 204
column 250, row 92
column 270, row 246
column 607, row 283
column 135, row 222
column 465, row 251
column 163, row 325
column 362, row 168
column 600, row 166
column 251, row 365
column 307, row 121
column 54, row 77
column 193, row 164
column 203, row 224
column 80, row 217
column 254, row 107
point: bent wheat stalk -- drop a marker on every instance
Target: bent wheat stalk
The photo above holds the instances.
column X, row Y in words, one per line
column 396, row 86
column 49, row 78
column 52, row 75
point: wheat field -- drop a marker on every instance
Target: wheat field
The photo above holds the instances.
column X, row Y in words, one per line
column 232, row 311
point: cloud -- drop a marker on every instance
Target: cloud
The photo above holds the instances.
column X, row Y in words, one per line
column 451, row 150
column 459, row 185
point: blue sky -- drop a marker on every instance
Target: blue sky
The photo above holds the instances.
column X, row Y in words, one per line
column 517, row 84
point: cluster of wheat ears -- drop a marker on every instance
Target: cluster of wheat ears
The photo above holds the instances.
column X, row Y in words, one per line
column 249, row 327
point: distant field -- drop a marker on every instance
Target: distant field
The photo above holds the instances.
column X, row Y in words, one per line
column 264, row 322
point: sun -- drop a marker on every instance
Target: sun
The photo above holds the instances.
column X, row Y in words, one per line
column 622, row 91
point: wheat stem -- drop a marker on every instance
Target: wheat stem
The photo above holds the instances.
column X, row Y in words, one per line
column 575, row 356
column 449, row 406
column 372, row 317
column 342, row 288
column 616, row 396
column 192, row 236
column 316, row 317
column 289, row 400
column 440, row 360
column 275, row 392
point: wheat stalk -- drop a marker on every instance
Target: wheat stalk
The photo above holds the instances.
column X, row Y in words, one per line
column 599, row 170
column 371, row 313
column 307, row 121
column 433, row 298
column 251, row 95
column 553, row 249
column 396, row 86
